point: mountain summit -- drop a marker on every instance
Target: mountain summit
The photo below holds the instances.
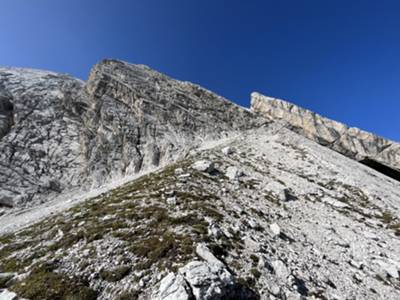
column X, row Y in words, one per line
column 134, row 185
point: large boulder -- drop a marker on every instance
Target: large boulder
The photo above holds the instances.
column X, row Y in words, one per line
column 208, row 279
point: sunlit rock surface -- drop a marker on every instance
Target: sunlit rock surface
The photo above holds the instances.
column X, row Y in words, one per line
column 227, row 204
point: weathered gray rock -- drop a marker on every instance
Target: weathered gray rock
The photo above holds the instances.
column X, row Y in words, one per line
column 204, row 166
column 202, row 280
column 233, row 173
column 173, row 287
column 39, row 134
column 278, row 189
column 138, row 118
column 391, row 268
column 227, row 150
column 207, row 280
column 280, row 270
column 275, row 229
column 7, row 295
column 58, row 133
column 352, row 142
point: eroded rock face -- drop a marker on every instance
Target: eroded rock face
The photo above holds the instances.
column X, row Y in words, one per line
column 352, row 142
column 39, row 134
column 138, row 117
column 58, row 133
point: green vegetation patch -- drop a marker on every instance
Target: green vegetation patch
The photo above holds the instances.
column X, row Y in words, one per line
column 160, row 236
column 45, row 284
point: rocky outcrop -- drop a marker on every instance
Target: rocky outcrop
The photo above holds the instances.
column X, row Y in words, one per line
column 39, row 135
column 202, row 280
column 137, row 117
column 58, row 133
column 352, row 142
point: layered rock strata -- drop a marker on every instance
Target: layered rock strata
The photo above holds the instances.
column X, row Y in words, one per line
column 375, row 151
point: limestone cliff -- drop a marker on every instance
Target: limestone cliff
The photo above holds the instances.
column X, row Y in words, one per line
column 357, row 144
column 59, row 133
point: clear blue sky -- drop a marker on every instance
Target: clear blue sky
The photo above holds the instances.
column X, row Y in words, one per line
column 338, row 58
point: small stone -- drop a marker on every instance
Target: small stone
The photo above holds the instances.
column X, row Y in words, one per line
column 274, row 289
column 390, row 269
column 280, row 269
column 178, row 171
column 261, row 263
column 233, row 173
column 355, row 264
column 275, row 229
column 204, row 166
column 227, row 150
column 184, row 176
column 171, row 201
column 279, row 190
column 334, row 203
column 253, row 224
column 107, row 217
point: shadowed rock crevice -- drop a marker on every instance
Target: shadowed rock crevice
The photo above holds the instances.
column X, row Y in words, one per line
column 6, row 114
column 381, row 168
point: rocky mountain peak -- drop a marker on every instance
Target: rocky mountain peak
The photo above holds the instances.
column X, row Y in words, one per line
column 64, row 134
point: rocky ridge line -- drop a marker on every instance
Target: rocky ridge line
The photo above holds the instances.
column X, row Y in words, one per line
column 372, row 150
column 59, row 134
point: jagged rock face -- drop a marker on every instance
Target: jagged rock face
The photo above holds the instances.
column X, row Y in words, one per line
column 39, row 134
column 58, row 133
column 352, row 142
column 138, row 118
